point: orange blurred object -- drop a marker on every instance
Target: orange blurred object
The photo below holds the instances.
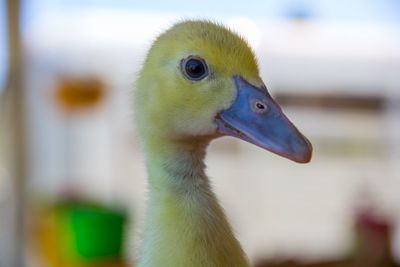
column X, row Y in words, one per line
column 79, row 94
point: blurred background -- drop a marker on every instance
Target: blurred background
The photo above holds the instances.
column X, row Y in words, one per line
column 72, row 177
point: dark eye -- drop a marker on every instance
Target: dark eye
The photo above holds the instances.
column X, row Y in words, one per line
column 194, row 68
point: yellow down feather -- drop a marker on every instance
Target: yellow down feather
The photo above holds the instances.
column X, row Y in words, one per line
column 184, row 225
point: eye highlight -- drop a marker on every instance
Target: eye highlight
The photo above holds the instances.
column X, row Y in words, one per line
column 194, row 68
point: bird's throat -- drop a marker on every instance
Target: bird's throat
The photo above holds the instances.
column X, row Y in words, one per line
column 185, row 225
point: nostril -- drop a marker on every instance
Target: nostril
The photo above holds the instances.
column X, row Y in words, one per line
column 259, row 106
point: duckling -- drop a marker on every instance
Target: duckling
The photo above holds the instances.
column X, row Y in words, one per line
column 200, row 81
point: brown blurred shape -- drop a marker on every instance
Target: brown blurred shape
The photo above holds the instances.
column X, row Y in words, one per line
column 79, row 94
column 374, row 103
column 372, row 247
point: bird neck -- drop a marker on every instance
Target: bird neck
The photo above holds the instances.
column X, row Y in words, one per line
column 185, row 225
column 176, row 166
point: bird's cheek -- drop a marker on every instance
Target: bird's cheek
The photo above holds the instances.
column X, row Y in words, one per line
column 223, row 94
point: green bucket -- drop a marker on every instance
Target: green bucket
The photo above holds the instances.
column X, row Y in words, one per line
column 90, row 232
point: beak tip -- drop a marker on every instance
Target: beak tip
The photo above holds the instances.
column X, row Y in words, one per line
column 305, row 159
column 305, row 156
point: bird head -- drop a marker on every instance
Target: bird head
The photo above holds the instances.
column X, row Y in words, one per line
column 201, row 81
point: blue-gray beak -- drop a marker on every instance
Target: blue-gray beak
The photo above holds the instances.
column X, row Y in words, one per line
column 256, row 118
